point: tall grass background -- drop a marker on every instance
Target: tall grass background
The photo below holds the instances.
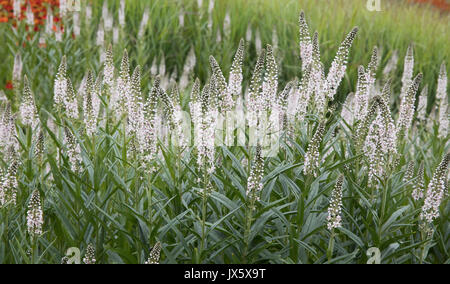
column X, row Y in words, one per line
column 396, row 26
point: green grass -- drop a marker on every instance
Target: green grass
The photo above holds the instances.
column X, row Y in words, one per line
column 394, row 28
column 124, row 211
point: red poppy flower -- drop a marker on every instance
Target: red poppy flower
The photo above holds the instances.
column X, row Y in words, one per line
column 9, row 85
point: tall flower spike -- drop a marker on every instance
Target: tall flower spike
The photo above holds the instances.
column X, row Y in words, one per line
column 311, row 164
column 334, row 219
column 386, row 92
column 39, row 147
column 435, row 192
column 72, row 101
column 219, row 88
column 123, row 92
column 408, row 69
column 73, row 151
column 409, row 174
column 194, row 104
column 379, row 141
column 235, row 80
column 339, row 64
column 423, row 102
column 108, row 71
column 17, row 70
column 305, row 42
column 419, row 186
column 270, row 84
column 442, row 98
column 372, row 70
column 90, row 119
column 60, row 88
column 362, row 127
column 146, row 133
column 89, row 257
column 135, row 102
column 443, row 119
column 388, row 133
column 28, row 110
column 361, row 95
column 315, row 48
column 305, row 89
column 155, row 254
column 254, row 182
column 206, row 131
column 8, row 131
column 255, row 100
column 407, row 106
column 9, row 185
column 441, row 91
column 177, row 118
column 35, row 218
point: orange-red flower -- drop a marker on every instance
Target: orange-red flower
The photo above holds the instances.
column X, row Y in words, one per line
column 9, row 85
column 38, row 7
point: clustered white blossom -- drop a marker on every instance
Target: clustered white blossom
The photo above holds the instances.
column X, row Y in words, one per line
column 35, row 218
column 8, row 131
column 407, row 107
column 270, row 83
column 73, row 151
column 17, row 70
column 29, row 15
column 60, row 87
column 71, row 103
column 442, row 99
column 254, row 182
column 205, row 128
column 90, row 111
column 339, row 64
column 89, row 257
column 380, row 141
column 121, row 95
column 334, row 218
column 319, row 87
column 175, row 114
column 305, row 42
column 9, row 185
column 409, row 174
column 154, row 254
column 235, row 80
column 422, row 106
column 16, row 8
column 218, row 87
column 365, row 87
column 108, row 70
column 146, row 135
column 28, row 110
column 311, row 164
column 419, row 186
column 435, row 192
column 408, row 69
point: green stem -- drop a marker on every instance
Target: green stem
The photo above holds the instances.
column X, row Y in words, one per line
column 331, row 246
